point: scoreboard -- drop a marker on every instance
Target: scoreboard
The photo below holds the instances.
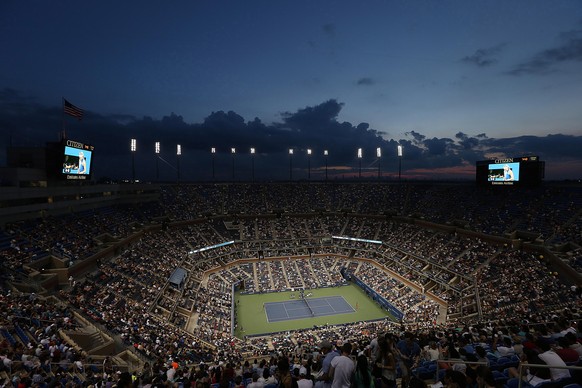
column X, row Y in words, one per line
column 77, row 160
column 520, row 171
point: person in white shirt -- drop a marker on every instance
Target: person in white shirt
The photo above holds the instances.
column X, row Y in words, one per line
column 256, row 383
column 504, row 350
column 303, row 381
column 552, row 359
column 431, row 352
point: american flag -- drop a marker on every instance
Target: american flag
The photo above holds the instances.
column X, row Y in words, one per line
column 72, row 110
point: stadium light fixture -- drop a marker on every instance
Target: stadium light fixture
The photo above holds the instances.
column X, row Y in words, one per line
column 213, row 152
column 360, row 154
column 309, row 163
column 178, row 154
column 379, row 156
column 157, row 149
column 233, row 152
column 133, row 149
column 290, row 164
column 253, row 151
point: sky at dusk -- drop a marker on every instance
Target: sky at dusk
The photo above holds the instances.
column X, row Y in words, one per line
column 452, row 81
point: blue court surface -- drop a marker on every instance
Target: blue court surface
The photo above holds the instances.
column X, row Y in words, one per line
column 307, row 308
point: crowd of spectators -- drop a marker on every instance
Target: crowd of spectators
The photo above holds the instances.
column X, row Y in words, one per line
column 131, row 297
column 48, row 359
column 551, row 211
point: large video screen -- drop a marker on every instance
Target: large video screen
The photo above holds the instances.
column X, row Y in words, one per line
column 77, row 159
column 503, row 172
column 520, row 171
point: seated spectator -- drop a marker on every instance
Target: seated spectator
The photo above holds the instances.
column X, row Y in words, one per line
column 431, row 352
column 504, row 350
column 574, row 344
column 256, row 383
column 567, row 354
column 455, row 379
column 551, row 358
column 534, row 376
column 484, row 377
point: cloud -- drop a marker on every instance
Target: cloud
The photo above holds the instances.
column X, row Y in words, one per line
column 544, row 62
column 365, row 81
column 468, row 142
column 25, row 122
column 552, row 146
column 484, row 57
column 436, row 146
column 418, row 137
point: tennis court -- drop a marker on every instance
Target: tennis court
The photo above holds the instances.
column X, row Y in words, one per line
column 306, row 308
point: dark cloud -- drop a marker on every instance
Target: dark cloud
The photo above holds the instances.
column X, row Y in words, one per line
column 437, row 146
column 417, row 137
column 553, row 146
column 320, row 116
column 484, row 57
column 25, row 122
column 468, row 142
column 544, row 62
column 366, row 81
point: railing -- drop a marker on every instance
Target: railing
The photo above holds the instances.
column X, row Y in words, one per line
column 523, row 366
column 521, row 369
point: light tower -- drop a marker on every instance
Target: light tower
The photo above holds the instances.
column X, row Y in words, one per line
column 360, row 160
column 133, row 149
column 213, row 152
column 309, row 163
column 157, row 149
column 325, row 154
column 253, row 164
column 233, row 152
column 178, row 154
column 399, row 162
column 290, row 164
column 379, row 155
